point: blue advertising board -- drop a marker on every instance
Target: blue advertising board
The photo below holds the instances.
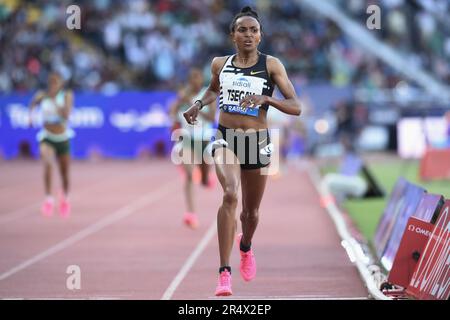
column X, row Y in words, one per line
column 413, row 195
column 387, row 221
column 120, row 125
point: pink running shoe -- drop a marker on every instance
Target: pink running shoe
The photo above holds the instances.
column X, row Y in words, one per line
column 191, row 220
column 247, row 266
column 224, row 284
column 196, row 175
column 64, row 207
column 181, row 171
column 47, row 208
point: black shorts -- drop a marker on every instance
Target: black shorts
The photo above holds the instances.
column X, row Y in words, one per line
column 252, row 147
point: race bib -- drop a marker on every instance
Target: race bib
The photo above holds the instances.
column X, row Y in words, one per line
column 237, row 87
column 232, row 108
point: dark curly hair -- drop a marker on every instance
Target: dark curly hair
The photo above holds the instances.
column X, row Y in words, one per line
column 245, row 12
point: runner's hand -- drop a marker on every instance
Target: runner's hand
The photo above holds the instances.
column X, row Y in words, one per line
column 191, row 114
column 252, row 101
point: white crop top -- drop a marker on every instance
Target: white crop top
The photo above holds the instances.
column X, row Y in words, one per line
column 49, row 108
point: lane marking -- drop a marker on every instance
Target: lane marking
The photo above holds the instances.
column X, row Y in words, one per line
column 18, row 213
column 190, row 262
column 117, row 215
column 354, row 250
column 34, row 208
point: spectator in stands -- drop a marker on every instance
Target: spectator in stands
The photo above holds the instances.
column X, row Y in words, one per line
column 139, row 44
column 353, row 180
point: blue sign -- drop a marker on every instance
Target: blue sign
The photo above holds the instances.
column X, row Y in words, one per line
column 120, row 126
column 413, row 195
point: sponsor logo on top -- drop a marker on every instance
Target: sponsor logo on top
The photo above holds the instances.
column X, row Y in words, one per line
column 242, row 82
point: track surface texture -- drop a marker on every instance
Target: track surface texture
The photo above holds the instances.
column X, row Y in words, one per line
column 126, row 235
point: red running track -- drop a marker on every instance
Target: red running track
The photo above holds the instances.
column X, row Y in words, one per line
column 126, row 235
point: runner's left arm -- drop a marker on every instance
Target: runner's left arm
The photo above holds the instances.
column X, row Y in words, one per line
column 68, row 105
column 211, row 114
column 290, row 104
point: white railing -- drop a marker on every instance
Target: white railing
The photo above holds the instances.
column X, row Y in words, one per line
column 370, row 273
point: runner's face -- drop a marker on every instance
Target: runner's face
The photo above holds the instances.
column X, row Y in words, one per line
column 54, row 83
column 247, row 34
column 196, row 79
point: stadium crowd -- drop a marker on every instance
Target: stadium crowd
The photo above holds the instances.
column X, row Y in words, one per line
column 140, row 44
column 419, row 29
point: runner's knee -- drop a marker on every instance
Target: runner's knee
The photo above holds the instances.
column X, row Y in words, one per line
column 249, row 215
column 47, row 165
column 188, row 176
column 46, row 160
column 230, row 196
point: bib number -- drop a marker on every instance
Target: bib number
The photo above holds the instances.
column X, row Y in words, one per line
column 231, row 108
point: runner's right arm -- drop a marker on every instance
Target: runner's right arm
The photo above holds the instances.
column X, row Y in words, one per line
column 37, row 98
column 210, row 95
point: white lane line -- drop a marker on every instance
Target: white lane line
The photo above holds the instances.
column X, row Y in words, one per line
column 189, row 262
column 35, row 207
column 16, row 214
column 117, row 215
column 354, row 251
